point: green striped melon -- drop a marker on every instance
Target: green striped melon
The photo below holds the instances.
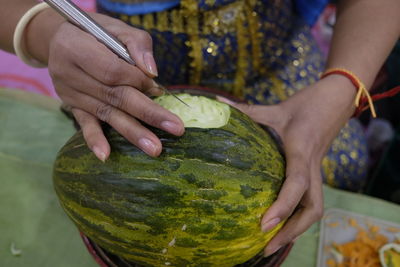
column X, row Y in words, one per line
column 199, row 204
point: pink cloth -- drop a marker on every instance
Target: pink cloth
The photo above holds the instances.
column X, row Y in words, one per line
column 15, row 74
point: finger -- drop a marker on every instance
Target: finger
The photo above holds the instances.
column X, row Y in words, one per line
column 270, row 115
column 140, row 47
column 92, row 133
column 154, row 91
column 130, row 101
column 126, row 125
column 311, row 212
column 138, row 42
column 292, row 191
column 106, row 67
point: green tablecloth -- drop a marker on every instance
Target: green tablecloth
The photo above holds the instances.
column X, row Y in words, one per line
column 32, row 129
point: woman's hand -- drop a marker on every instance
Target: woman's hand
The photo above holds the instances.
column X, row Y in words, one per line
column 307, row 123
column 99, row 86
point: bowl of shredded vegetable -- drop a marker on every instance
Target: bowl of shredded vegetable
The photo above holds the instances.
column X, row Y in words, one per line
column 349, row 239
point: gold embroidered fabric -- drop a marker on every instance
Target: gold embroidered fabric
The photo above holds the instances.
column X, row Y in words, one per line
column 237, row 46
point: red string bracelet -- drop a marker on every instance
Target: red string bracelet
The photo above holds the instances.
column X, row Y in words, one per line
column 363, row 99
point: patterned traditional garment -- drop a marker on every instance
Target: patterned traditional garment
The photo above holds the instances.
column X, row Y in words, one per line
column 261, row 51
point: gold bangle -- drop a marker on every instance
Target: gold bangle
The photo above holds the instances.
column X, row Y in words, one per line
column 19, row 36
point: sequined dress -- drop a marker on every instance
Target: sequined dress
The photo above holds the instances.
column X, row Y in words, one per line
column 261, row 51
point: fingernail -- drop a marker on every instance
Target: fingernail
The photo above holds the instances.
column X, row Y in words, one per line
column 225, row 100
column 269, row 251
column 150, row 63
column 270, row 224
column 171, row 127
column 147, row 146
column 155, row 91
column 99, row 154
column 157, row 88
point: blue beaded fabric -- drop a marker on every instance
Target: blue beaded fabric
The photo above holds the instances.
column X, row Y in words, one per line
column 261, row 51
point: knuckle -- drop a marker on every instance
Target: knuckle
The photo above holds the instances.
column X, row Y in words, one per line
column 115, row 24
column 139, row 39
column 289, row 238
column 144, row 36
column 145, row 83
column 304, row 182
column 301, row 181
column 103, row 112
column 149, row 116
column 250, row 109
column 112, row 72
column 284, row 206
column 287, row 209
column 116, row 96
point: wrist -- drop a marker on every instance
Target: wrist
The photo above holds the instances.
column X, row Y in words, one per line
column 344, row 88
column 39, row 33
column 367, row 77
column 363, row 99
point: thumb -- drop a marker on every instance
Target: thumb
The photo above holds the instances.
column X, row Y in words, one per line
column 269, row 115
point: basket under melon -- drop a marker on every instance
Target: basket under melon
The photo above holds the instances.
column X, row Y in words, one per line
column 198, row 204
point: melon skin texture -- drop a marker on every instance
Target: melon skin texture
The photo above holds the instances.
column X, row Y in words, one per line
column 199, row 204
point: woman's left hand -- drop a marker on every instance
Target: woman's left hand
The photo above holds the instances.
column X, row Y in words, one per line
column 307, row 123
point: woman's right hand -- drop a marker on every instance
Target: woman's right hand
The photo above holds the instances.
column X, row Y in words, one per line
column 99, row 86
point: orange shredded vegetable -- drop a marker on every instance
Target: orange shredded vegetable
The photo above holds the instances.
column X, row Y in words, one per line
column 363, row 251
column 333, row 224
column 393, row 229
column 331, row 263
column 374, row 229
column 354, row 223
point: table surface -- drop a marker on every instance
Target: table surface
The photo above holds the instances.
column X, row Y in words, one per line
column 32, row 131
